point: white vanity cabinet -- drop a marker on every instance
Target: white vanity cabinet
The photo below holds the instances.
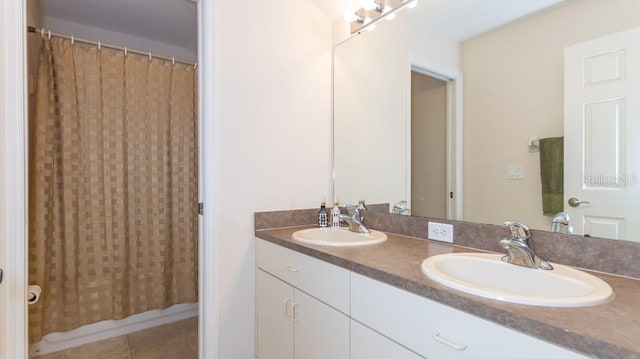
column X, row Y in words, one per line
column 436, row 331
column 310, row 309
column 302, row 305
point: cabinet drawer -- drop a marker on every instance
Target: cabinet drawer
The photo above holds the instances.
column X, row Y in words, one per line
column 436, row 331
column 367, row 344
column 327, row 282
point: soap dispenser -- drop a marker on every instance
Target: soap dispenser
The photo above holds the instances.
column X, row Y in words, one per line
column 322, row 216
column 335, row 215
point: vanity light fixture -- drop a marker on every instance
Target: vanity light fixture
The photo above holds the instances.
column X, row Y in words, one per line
column 373, row 11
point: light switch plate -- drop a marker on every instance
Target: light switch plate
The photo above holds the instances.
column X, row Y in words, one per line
column 440, row 232
column 515, row 172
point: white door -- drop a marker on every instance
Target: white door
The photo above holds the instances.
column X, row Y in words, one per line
column 602, row 135
column 321, row 332
column 274, row 317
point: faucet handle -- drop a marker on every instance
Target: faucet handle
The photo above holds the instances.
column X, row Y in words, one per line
column 518, row 230
column 353, row 210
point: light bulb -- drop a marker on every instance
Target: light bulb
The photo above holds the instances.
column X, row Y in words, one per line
column 412, row 4
column 371, row 27
column 352, row 17
column 369, row 5
column 391, row 16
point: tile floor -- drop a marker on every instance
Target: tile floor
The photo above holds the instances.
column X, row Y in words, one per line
column 177, row 340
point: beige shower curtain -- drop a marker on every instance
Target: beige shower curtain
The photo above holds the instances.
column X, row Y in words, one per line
column 113, row 186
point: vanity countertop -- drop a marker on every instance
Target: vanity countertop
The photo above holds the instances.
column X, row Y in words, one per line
column 610, row 330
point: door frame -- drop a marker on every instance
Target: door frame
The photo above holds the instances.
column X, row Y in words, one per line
column 13, row 179
column 454, row 79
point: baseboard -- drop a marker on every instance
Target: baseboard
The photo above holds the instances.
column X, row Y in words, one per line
column 54, row 342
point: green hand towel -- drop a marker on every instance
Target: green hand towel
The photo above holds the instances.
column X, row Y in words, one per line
column 552, row 175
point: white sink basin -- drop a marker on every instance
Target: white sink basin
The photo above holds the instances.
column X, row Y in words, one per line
column 338, row 237
column 486, row 275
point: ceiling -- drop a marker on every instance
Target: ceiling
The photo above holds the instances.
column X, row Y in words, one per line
column 173, row 22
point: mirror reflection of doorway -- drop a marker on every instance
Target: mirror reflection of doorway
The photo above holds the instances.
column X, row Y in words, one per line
column 428, row 146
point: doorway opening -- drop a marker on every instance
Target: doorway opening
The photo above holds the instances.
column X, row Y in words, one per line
column 428, row 146
column 434, row 141
column 113, row 179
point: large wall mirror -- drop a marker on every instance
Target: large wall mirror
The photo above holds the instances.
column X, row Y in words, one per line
column 451, row 108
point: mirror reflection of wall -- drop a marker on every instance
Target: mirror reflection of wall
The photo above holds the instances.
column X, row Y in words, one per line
column 513, row 90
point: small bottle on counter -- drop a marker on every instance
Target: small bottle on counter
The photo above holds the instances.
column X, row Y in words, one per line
column 335, row 215
column 322, row 216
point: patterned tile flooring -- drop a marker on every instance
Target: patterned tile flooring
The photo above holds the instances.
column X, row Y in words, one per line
column 177, row 340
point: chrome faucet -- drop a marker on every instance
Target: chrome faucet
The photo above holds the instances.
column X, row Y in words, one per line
column 354, row 219
column 518, row 250
column 560, row 223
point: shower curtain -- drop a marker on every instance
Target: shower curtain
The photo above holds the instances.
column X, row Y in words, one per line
column 113, row 186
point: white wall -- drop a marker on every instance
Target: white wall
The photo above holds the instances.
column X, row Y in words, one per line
column 513, row 90
column 275, row 130
column 371, row 87
column 116, row 38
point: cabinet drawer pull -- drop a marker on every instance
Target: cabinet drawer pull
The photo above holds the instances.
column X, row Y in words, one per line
column 436, row 336
column 292, row 269
column 294, row 317
column 286, row 307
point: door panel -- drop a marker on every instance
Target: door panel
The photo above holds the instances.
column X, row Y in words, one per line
column 321, row 332
column 275, row 327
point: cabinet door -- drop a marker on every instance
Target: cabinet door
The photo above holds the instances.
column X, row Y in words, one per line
column 274, row 309
column 321, row 332
column 367, row 344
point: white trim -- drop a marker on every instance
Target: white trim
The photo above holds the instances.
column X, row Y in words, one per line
column 208, row 94
column 457, row 148
column 106, row 329
column 454, row 129
column 13, row 173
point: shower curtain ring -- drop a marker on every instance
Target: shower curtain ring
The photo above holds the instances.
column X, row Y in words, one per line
column 42, row 33
column 125, row 51
column 173, row 61
column 195, row 66
column 149, row 55
column 49, row 35
column 99, row 45
column 72, row 39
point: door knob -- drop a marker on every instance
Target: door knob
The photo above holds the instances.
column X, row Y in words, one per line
column 574, row 202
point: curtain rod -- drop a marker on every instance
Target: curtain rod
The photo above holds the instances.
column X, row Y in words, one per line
column 126, row 50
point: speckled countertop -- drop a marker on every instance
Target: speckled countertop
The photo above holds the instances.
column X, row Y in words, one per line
column 610, row 330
